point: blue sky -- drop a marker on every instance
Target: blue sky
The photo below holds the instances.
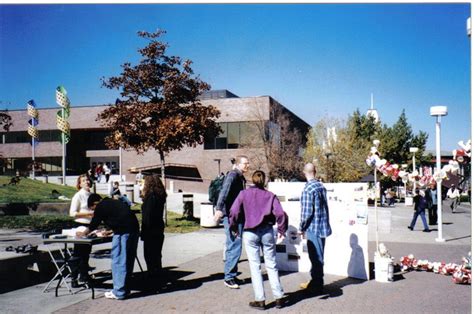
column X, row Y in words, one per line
column 316, row 59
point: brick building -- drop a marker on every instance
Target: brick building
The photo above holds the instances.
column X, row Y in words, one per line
column 190, row 169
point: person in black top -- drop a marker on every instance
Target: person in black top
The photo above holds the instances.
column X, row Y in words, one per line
column 422, row 201
column 115, row 190
column 117, row 216
column 152, row 233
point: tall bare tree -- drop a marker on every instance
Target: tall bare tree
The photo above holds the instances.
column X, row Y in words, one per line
column 278, row 138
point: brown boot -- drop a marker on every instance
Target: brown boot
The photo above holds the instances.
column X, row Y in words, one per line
column 259, row 305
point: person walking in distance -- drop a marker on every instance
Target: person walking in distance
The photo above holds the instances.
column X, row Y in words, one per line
column 314, row 226
column 453, row 195
column 422, row 201
column 234, row 183
column 107, row 172
column 433, row 209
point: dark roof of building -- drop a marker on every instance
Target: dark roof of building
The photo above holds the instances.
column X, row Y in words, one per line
column 217, row 94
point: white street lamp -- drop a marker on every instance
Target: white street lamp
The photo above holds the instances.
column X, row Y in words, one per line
column 414, row 150
column 438, row 112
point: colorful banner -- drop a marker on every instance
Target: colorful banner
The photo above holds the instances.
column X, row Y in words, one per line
column 33, row 122
column 62, row 115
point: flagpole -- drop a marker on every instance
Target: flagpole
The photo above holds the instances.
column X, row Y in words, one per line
column 63, row 125
column 63, row 137
column 33, row 156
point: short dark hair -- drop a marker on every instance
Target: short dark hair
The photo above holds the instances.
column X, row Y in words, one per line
column 93, row 198
column 258, row 178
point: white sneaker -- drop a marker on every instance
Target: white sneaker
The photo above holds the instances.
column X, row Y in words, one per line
column 111, row 295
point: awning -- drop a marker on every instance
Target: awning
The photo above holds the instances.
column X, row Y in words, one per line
column 172, row 171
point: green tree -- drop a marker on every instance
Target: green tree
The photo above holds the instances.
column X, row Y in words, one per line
column 343, row 159
column 395, row 141
column 330, row 147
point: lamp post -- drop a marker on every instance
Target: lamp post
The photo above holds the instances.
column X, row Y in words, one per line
column 438, row 112
column 404, row 180
column 414, row 150
column 376, row 144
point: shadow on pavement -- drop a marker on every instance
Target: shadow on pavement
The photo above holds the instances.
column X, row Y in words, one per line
column 460, row 238
column 170, row 281
column 332, row 290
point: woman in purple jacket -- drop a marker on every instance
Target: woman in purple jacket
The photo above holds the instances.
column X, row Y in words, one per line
column 260, row 209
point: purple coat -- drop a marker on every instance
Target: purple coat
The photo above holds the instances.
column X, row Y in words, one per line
column 257, row 206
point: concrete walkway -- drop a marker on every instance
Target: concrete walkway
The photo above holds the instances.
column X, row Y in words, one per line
column 194, row 269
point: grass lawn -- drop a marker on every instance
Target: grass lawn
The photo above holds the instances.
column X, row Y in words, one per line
column 50, row 222
column 31, row 191
column 175, row 223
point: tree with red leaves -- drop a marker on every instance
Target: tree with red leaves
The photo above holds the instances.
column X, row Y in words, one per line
column 160, row 108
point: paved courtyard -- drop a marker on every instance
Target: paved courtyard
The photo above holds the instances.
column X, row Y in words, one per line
column 194, row 279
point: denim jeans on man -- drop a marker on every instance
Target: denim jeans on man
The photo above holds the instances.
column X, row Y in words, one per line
column 124, row 250
column 419, row 212
column 316, row 255
column 262, row 237
column 233, row 250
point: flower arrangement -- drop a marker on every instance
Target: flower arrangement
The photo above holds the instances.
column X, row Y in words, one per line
column 461, row 273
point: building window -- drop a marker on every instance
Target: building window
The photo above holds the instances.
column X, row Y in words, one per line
column 17, row 137
column 235, row 135
column 24, row 137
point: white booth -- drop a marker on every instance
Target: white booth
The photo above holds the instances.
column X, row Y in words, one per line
column 346, row 250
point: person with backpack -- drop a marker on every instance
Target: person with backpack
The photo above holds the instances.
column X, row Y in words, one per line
column 214, row 189
column 234, row 183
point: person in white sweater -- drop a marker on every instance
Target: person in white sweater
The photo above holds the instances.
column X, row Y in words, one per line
column 80, row 211
column 453, row 195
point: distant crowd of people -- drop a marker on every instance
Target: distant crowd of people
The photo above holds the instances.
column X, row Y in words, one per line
column 97, row 172
column 248, row 216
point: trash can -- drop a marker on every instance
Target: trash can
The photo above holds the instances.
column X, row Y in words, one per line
column 129, row 191
column 207, row 215
column 188, row 205
column 383, row 268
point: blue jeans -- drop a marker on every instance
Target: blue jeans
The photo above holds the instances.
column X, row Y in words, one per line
column 316, row 256
column 417, row 213
column 262, row 237
column 124, row 250
column 233, row 250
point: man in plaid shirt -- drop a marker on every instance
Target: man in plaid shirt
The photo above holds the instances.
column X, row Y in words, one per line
column 314, row 226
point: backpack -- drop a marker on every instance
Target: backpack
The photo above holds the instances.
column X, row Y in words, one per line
column 215, row 188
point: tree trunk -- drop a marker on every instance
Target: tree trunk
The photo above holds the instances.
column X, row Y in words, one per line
column 163, row 179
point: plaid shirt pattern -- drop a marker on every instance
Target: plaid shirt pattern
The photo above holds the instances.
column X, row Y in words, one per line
column 314, row 210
